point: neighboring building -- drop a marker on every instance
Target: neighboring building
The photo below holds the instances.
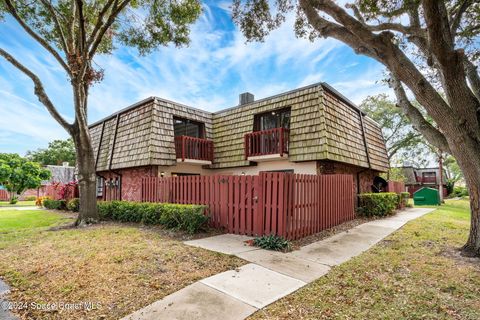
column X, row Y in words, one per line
column 59, row 175
column 311, row 130
column 417, row 178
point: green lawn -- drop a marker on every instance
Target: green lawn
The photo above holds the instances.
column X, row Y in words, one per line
column 416, row 273
column 20, row 225
column 120, row 268
column 18, row 204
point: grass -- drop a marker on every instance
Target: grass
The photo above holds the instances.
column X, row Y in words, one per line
column 416, row 273
column 18, row 204
column 119, row 268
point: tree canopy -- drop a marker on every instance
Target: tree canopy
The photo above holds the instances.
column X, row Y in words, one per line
column 57, row 152
column 18, row 174
column 74, row 32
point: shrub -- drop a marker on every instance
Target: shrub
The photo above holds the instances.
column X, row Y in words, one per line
column 272, row 242
column 13, row 200
column 459, row 192
column 55, row 204
column 73, row 204
column 404, row 196
column 378, row 204
column 190, row 218
column 30, row 198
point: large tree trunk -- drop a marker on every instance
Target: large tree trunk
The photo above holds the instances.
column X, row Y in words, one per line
column 86, row 177
column 467, row 153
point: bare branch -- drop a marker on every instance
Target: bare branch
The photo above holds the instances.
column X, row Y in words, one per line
column 39, row 90
column 433, row 135
column 457, row 18
column 11, row 9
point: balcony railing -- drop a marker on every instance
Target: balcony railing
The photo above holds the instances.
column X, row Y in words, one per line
column 191, row 148
column 427, row 179
column 267, row 142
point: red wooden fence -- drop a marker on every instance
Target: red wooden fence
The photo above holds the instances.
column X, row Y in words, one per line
column 396, row 186
column 4, row 196
column 288, row 205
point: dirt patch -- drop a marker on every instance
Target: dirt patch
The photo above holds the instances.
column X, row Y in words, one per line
column 296, row 244
column 460, row 259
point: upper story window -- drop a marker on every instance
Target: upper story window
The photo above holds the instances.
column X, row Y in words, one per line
column 186, row 127
column 430, row 174
column 272, row 119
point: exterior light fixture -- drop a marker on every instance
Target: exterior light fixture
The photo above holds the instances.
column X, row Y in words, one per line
column 162, row 174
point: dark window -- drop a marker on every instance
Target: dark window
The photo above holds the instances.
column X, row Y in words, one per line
column 272, row 119
column 186, row 127
column 99, row 186
column 431, row 174
column 284, row 171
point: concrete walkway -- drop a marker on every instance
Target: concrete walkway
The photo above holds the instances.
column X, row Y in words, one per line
column 269, row 276
column 20, row 208
column 5, row 313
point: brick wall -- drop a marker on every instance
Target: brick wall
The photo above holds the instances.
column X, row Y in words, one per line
column 131, row 183
column 366, row 176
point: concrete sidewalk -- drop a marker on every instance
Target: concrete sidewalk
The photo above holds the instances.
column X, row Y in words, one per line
column 269, row 276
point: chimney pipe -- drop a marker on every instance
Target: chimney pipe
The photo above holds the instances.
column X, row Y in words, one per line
column 245, row 98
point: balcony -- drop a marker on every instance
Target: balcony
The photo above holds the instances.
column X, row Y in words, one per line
column 426, row 179
column 194, row 150
column 267, row 145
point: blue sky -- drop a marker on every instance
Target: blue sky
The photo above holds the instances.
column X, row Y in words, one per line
column 209, row 74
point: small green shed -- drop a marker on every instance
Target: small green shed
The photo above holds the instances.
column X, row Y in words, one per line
column 426, row 197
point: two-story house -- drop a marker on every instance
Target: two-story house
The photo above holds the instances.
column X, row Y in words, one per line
column 310, row 130
column 417, row 178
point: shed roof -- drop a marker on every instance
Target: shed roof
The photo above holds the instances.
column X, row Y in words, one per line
column 324, row 125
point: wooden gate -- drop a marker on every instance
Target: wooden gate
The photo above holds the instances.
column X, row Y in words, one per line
column 285, row 204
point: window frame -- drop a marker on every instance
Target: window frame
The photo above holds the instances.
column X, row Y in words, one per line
column 201, row 127
column 279, row 115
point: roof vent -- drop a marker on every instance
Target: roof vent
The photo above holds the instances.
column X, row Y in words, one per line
column 246, row 97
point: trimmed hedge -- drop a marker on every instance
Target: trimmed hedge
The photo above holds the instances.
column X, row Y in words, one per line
column 189, row 218
column 378, row 204
column 55, row 204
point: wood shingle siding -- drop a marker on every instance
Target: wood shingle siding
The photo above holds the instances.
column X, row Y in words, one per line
column 324, row 126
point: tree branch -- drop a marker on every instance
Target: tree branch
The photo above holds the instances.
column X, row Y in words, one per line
column 116, row 9
column 52, row 10
column 99, row 23
column 473, row 77
column 433, row 135
column 38, row 89
column 11, row 9
column 457, row 18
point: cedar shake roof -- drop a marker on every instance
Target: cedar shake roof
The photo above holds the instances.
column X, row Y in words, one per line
column 324, row 125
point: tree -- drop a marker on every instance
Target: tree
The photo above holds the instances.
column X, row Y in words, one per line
column 429, row 47
column 18, row 174
column 74, row 32
column 58, row 152
column 397, row 131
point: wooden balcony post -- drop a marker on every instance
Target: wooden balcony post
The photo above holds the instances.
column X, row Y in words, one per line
column 281, row 142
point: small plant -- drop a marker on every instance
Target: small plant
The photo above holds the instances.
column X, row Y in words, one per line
column 39, row 201
column 73, row 204
column 30, row 198
column 272, row 242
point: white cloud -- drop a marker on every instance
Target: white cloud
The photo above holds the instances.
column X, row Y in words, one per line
column 209, row 74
